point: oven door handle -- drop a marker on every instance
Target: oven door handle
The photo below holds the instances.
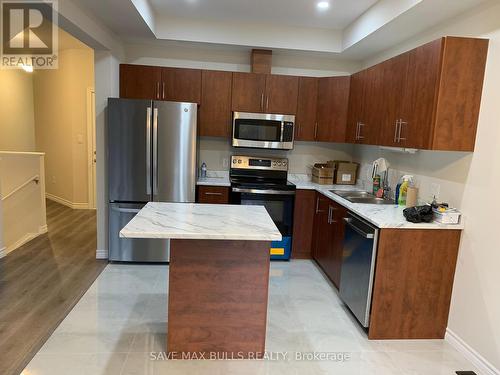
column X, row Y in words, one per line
column 258, row 191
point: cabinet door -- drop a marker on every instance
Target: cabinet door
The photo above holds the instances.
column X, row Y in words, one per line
column 394, row 78
column 140, row 82
column 303, row 223
column 355, row 113
column 420, row 95
column 181, row 85
column 281, row 94
column 337, row 248
column 248, row 92
column 320, row 242
column 373, row 100
column 333, row 99
column 215, row 109
column 305, row 119
column 213, row 194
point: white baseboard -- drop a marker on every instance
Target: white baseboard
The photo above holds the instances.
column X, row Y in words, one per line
column 26, row 238
column 477, row 359
column 101, row 254
column 73, row 205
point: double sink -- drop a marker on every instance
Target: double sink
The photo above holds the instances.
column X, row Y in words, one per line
column 361, row 197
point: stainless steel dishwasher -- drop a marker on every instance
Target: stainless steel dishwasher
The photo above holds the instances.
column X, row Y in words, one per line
column 358, row 266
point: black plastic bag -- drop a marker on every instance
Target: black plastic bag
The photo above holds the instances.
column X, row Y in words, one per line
column 419, row 214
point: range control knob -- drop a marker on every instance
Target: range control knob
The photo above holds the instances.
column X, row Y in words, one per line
column 239, row 161
column 234, row 161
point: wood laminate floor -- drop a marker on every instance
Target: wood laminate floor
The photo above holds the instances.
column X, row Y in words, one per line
column 41, row 281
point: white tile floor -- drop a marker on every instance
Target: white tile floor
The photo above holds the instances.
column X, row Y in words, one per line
column 121, row 320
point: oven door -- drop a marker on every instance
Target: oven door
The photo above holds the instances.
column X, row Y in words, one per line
column 279, row 204
column 262, row 131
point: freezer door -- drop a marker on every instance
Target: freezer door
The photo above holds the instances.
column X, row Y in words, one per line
column 130, row 150
column 132, row 250
column 174, row 151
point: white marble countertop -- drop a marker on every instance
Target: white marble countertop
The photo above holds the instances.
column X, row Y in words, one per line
column 202, row 221
column 382, row 216
column 215, row 178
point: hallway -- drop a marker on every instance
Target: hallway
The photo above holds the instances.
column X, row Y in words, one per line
column 41, row 281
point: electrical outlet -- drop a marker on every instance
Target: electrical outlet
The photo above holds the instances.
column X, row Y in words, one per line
column 434, row 190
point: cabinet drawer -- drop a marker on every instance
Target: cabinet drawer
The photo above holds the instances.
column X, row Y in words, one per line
column 213, row 194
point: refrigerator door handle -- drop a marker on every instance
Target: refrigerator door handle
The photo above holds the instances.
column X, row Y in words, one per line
column 155, row 151
column 148, row 151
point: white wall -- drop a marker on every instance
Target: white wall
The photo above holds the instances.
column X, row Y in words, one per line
column 470, row 181
column 61, row 124
column 23, row 201
column 17, row 120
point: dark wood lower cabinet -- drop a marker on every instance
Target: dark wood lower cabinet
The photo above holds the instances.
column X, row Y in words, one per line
column 213, row 194
column 303, row 222
column 413, row 283
column 328, row 237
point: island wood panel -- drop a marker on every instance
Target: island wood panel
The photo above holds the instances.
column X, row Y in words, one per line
column 215, row 110
column 217, row 301
column 413, row 283
column 213, row 194
column 303, row 223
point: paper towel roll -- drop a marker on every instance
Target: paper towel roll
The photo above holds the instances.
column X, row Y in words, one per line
column 411, row 196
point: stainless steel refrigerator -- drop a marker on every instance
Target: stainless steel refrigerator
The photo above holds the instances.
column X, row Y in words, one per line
column 151, row 157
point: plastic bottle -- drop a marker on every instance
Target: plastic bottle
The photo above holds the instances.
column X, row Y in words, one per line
column 203, row 173
column 403, row 189
column 376, row 184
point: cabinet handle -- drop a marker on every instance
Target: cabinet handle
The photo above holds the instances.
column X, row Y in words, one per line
column 396, row 132
column 211, row 193
column 158, row 90
column 262, row 102
column 401, row 123
column 360, row 137
column 163, row 91
column 315, row 130
column 317, row 206
column 267, row 103
column 329, row 215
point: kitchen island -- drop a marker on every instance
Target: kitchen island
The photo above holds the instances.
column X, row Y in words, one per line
column 218, row 275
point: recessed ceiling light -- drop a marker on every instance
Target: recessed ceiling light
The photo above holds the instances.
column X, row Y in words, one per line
column 323, row 5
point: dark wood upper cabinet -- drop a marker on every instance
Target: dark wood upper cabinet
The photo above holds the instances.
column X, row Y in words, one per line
column 140, row 81
column 305, row 119
column 356, row 101
column 181, row 85
column 215, row 109
column 432, row 95
column 333, row 99
column 248, row 92
column 281, row 94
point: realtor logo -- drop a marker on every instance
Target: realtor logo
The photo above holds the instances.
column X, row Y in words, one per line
column 29, row 34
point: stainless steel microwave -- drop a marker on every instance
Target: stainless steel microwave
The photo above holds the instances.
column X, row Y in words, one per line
column 261, row 130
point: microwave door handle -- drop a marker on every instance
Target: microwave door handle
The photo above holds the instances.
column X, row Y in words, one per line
column 282, row 130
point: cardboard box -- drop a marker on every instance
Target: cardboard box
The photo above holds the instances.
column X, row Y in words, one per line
column 323, row 173
column 345, row 172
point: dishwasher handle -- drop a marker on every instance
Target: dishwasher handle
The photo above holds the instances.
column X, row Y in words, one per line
column 360, row 231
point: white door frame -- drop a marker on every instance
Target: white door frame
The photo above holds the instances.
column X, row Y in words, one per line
column 91, row 147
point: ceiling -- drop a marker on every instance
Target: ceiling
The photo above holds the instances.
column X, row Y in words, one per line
column 302, row 13
column 348, row 29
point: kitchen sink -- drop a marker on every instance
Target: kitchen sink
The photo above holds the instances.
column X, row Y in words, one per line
column 361, row 197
